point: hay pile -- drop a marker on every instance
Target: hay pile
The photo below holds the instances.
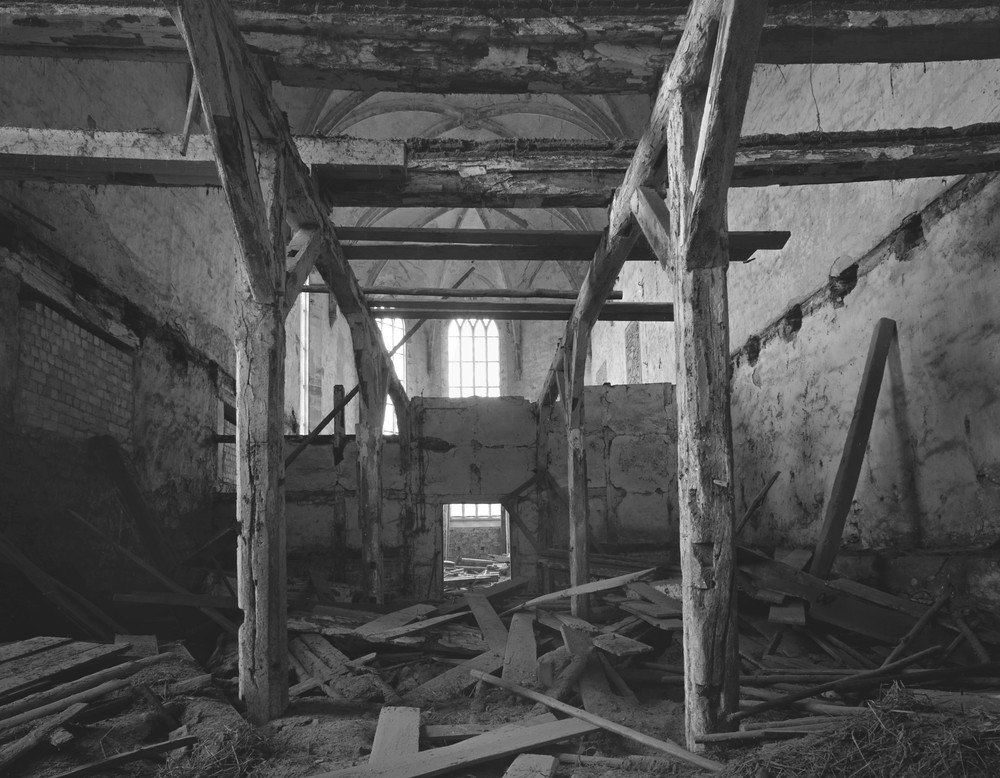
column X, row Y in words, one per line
column 901, row 736
column 235, row 753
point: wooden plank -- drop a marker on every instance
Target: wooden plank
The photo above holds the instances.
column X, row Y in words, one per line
column 477, row 294
column 38, row 699
column 455, row 732
column 417, row 626
column 576, row 623
column 878, row 597
column 104, row 765
column 597, row 49
column 453, row 681
column 591, row 587
column 849, row 470
column 390, row 621
column 476, row 750
column 532, row 766
column 493, row 629
column 397, row 735
column 521, row 654
column 20, row 673
column 649, row 592
column 570, row 173
column 88, row 695
column 619, row 645
column 328, row 654
column 13, row 751
column 515, row 310
column 653, row 610
column 30, row 646
column 142, row 645
column 663, row 746
column 793, row 613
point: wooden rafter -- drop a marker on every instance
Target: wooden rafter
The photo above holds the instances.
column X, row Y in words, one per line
column 552, row 311
column 464, row 48
column 469, row 174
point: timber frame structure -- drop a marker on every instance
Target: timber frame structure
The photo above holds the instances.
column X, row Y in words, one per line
column 665, row 196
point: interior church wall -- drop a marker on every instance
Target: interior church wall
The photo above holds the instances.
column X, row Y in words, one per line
column 479, row 450
column 927, row 479
column 81, row 361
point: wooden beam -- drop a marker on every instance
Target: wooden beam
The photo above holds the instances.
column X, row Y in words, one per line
column 505, row 311
column 576, row 467
column 373, row 381
column 226, row 116
column 601, row 50
column 303, row 252
column 470, row 294
column 450, row 173
column 719, row 47
column 849, row 470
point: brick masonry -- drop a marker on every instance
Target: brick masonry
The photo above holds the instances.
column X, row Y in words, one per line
column 70, row 381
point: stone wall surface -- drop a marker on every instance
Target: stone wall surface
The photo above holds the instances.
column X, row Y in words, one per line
column 931, row 476
column 631, row 434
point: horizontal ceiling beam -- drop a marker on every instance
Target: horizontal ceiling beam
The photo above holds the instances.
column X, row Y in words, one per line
column 457, row 309
column 742, row 246
column 472, row 47
column 516, row 173
column 471, row 294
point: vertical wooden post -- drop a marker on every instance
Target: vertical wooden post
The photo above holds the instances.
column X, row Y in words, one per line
column 260, row 507
column 373, row 380
column 576, row 462
column 708, row 84
column 704, row 482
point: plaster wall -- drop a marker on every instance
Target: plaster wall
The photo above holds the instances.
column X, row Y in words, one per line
column 831, row 225
column 928, row 479
column 931, row 477
column 631, row 434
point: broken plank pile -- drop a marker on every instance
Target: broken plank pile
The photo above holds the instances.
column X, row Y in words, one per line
column 797, row 678
column 59, row 694
column 473, row 572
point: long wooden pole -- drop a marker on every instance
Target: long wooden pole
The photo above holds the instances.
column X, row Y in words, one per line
column 663, row 746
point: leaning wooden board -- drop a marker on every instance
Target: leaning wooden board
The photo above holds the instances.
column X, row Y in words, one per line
column 21, row 673
column 473, row 751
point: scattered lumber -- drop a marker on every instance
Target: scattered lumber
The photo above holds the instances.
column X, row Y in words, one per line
column 453, row 681
column 493, row 629
column 20, row 673
column 592, row 587
column 29, row 646
column 70, row 688
column 101, row 767
column 877, row 675
column 663, row 746
column 13, row 751
column 483, row 748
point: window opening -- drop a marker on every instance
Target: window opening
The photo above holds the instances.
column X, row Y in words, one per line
column 473, row 358
column 392, row 332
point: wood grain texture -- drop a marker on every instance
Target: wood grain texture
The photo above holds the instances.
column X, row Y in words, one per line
column 397, row 735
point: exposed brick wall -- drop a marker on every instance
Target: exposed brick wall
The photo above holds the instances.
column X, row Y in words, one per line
column 70, row 381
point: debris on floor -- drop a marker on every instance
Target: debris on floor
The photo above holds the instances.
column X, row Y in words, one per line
column 832, row 669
